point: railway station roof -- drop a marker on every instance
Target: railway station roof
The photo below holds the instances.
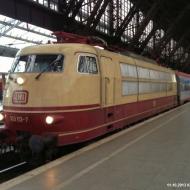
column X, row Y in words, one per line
column 15, row 35
column 170, row 12
column 154, row 28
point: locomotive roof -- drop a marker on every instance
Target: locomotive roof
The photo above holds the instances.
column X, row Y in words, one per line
column 77, row 47
column 57, row 48
column 183, row 74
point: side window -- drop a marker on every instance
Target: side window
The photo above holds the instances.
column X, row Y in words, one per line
column 87, row 64
column 129, row 88
column 128, row 70
column 154, row 75
column 144, row 87
column 143, row 73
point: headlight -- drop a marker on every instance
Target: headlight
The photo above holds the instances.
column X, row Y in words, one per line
column 20, row 80
column 49, row 120
column 1, row 117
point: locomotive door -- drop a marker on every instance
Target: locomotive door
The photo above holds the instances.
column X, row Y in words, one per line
column 108, row 80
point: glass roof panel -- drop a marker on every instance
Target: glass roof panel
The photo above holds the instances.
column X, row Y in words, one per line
column 17, row 34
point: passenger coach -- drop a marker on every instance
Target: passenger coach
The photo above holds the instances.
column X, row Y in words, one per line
column 183, row 90
column 76, row 92
column 1, row 88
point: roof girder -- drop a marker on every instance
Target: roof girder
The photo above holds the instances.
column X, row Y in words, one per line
column 150, row 14
column 168, row 34
column 145, row 42
column 28, row 29
column 8, row 51
column 11, row 24
column 93, row 14
column 119, row 31
column 180, row 42
column 22, row 39
column 76, row 9
column 99, row 15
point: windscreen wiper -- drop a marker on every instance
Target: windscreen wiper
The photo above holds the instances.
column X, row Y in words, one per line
column 44, row 70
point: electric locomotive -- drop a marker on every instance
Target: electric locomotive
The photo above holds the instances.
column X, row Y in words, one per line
column 70, row 93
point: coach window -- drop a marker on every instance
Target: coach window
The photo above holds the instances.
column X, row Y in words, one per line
column 87, row 64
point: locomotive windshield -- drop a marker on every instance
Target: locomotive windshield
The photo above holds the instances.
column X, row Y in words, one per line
column 38, row 63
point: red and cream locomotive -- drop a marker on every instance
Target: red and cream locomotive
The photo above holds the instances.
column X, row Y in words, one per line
column 71, row 92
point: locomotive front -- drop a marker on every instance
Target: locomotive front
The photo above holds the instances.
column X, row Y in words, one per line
column 49, row 93
column 32, row 92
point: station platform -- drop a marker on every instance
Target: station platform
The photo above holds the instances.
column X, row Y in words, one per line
column 153, row 155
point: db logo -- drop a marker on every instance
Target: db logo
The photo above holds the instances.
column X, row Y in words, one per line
column 20, row 97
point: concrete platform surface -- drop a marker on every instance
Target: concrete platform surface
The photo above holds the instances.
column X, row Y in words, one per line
column 154, row 155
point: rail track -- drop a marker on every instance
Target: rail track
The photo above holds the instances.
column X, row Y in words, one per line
column 11, row 165
column 14, row 171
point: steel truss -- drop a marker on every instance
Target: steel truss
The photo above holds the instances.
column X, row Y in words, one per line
column 122, row 20
column 127, row 23
column 7, row 30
